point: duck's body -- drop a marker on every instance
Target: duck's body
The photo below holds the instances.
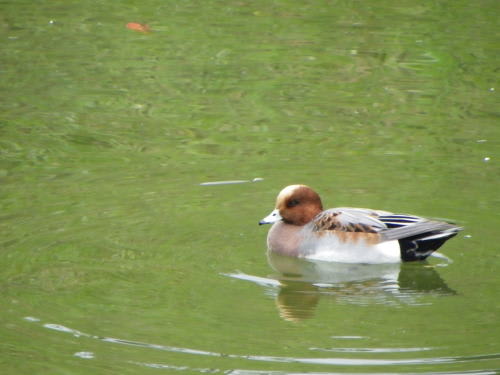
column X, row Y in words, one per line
column 351, row 235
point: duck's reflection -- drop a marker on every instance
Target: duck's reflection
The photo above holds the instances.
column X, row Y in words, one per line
column 304, row 282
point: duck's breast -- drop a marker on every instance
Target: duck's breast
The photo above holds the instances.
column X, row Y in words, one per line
column 285, row 239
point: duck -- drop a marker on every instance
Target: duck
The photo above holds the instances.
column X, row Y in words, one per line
column 302, row 228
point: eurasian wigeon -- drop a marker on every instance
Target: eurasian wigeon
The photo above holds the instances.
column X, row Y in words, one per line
column 351, row 235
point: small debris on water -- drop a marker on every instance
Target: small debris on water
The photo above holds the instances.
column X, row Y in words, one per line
column 467, row 236
column 31, row 319
column 486, row 159
column 230, row 182
column 84, row 355
column 140, row 27
column 482, row 140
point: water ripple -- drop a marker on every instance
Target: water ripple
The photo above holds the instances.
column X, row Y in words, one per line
column 305, row 360
column 371, row 350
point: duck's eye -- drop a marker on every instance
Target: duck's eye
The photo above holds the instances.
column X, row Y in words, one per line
column 292, row 203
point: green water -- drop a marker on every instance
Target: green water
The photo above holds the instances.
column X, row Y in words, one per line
column 115, row 260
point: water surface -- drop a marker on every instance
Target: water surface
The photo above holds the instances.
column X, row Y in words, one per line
column 118, row 257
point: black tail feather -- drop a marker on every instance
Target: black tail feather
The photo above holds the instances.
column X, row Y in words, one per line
column 421, row 246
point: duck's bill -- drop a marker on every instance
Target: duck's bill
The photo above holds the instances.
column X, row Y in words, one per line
column 273, row 217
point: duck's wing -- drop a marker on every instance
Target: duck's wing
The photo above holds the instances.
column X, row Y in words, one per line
column 348, row 219
column 399, row 220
